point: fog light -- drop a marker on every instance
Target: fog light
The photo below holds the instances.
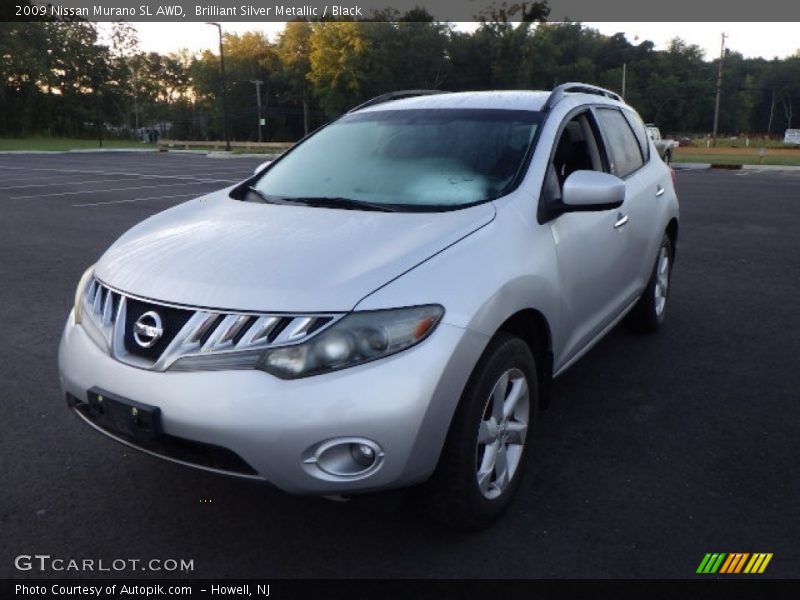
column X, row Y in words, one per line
column 362, row 454
column 345, row 458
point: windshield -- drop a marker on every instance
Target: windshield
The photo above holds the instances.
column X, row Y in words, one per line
column 407, row 159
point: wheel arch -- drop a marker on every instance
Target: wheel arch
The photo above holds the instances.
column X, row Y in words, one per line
column 672, row 234
column 531, row 326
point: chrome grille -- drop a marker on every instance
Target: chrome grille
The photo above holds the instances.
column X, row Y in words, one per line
column 101, row 306
column 204, row 339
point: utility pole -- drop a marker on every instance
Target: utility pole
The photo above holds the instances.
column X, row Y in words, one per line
column 719, row 90
column 258, row 83
column 98, row 113
column 624, row 72
column 136, row 114
column 224, row 89
column 98, row 118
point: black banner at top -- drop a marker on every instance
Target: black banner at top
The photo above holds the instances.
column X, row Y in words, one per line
column 441, row 10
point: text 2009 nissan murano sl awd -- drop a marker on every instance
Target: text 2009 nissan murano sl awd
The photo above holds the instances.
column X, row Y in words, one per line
column 385, row 304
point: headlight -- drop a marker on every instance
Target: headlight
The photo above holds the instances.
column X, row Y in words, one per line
column 80, row 291
column 356, row 339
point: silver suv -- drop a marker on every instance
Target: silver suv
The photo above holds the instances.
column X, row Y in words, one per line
column 386, row 304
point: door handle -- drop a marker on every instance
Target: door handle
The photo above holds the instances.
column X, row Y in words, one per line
column 621, row 221
column 659, row 191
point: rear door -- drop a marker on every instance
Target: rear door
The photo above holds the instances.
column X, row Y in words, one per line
column 648, row 211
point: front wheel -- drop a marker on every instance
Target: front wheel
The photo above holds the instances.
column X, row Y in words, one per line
column 650, row 311
column 482, row 461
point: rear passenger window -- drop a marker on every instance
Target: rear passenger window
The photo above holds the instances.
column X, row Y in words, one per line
column 640, row 131
column 625, row 149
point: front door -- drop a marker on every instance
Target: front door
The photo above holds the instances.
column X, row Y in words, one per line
column 590, row 246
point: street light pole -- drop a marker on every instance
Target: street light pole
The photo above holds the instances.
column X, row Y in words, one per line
column 719, row 90
column 624, row 73
column 224, row 88
column 258, row 83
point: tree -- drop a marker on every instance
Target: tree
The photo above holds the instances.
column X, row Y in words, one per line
column 124, row 74
column 293, row 51
column 338, row 64
column 504, row 13
column 75, row 71
column 58, row 79
column 422, row 43
column 24, row 62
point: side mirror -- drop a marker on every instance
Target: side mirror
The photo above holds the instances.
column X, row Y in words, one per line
column 261, row 167
column 592, row 190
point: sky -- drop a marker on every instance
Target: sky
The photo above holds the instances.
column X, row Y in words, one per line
column 767, row 40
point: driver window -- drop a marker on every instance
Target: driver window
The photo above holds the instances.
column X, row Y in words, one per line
column 576, row 150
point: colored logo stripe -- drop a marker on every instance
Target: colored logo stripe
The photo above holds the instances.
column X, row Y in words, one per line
column 711, row 563
column 758, row 563
column 721, row 562
column 734, row 563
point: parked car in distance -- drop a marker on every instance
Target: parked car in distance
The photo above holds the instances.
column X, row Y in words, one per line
column 385, row 304
column 664, row 147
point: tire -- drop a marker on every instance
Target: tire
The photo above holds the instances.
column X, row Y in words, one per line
column 649, row 313
column 475, row 440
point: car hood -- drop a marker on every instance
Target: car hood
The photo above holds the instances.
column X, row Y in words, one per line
column 222, row 253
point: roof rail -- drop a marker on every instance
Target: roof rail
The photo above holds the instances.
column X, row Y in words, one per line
column 574, row 87
column 398, row 95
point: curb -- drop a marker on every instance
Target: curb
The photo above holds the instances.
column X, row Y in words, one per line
column 206, row 153
column 771, row 167
column 80, row 151
column 700, row 166
column 689, row 166
column 223, row 155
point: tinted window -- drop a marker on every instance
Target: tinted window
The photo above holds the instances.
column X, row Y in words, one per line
column 408, row 158
column 640, row 131
column 576, row 150
column 627, row 157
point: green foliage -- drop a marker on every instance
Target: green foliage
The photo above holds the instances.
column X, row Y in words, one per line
column 350, row 62
column 57, row 79
column 293, row 53
column 59, row 144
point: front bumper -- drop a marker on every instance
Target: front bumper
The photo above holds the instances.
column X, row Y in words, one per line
column 404, row 403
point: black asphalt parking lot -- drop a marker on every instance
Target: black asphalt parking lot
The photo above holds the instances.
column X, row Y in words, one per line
column 654, row 451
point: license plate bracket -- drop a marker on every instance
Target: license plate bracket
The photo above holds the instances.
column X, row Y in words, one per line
column 131, row 419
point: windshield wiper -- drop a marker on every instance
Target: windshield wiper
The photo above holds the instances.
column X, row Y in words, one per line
column 322, row 201
column 261, row 195
column 346, row 203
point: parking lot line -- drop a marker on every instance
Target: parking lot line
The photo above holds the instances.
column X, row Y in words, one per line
column 146, row 175
column 133, row 200
column 126, row 189
column 60, row 182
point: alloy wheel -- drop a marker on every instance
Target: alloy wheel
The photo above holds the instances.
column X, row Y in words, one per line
column 501, row 433
column 662, row 281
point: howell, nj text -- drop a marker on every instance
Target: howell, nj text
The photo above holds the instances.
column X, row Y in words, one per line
column 238, row 590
